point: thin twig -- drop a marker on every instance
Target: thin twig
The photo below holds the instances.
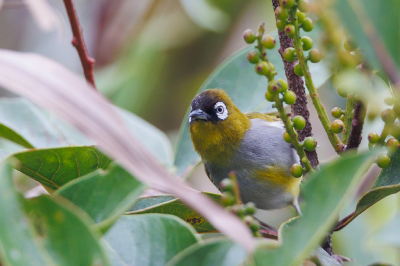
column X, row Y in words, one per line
column 356, row 126
column 79, row 43
column 296, row 85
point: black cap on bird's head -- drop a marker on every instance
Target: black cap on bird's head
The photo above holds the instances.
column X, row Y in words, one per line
column 211, row 105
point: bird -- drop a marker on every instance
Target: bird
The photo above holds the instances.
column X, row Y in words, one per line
column 249, row 144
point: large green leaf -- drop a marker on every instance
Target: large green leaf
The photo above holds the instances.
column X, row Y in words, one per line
column 324, row 194
column 181, row 210
column 23, row 123
column 388, row 183
column 221, row 252
column 66, row 235
column 146, row 202
column 104, row 196
column 238, row 78
column 373, row 23
column 56, row 235
column 149, row 239
column 55, row 167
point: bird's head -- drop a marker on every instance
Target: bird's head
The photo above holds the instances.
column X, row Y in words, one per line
column 216, row 125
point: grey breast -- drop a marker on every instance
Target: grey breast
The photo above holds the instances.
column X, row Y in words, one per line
column 262, row 146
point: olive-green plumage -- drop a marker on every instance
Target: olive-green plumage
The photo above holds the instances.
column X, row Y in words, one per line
column 250, row 144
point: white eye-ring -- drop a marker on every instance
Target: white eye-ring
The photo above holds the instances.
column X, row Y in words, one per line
column 221, row 110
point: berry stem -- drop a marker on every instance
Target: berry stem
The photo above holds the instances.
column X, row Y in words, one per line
column 356, row 126
column 290, row 130
column 296, row 85
column 323, row 116
column 348, row 118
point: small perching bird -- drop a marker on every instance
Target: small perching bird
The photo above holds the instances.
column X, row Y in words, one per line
column 249, row 144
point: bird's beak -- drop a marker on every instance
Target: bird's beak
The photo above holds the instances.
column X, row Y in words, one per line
column 198, row 114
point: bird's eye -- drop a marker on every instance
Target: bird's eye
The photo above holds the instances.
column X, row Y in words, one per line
column 221, row 110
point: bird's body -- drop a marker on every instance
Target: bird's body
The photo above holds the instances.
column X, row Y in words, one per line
column 251, row 145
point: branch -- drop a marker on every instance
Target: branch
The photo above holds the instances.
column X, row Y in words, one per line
column 79, row 43
column 356, row 126
column 296, row 85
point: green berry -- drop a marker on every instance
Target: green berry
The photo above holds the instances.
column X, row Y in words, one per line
column 392, row 145
column 250, row 208
column 396, row 108
column 336, row 112
column 388, row 116
column 389, row 101
column 287, row 3
column 262, row 68
column 253, row 57
column 337, row 126
column 281, row 13
column 395, row 130
column 342, row 90
column 249, row 36
column 280, row 24
column 289, row 97
column 382, row 160
column 253, row 224
column 271, row 66
column 273, row 87
column 238, row 210
column 300, row 16
column 299, row 122
column 349, row 46
column 289, row 29
column 303, row 6
column 307, row 43
column 310, row 144
column 226, row 184
column 227, row 199
column 287, row 137
column 307, row 25
column 297, row 70
column 269, row 42
column 296, row 170
column 373, row 137
column 289, row 54
column 283, row 85
column 371, row 146
column 269, row 97
column 346, row 59
column 314, row 56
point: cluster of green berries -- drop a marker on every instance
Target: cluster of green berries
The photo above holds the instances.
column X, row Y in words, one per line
column 388, row 116
column 284, row 22
column 244, row 212
column 337, row 126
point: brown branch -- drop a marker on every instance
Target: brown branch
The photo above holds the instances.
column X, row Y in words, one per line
column 79, row 43
column 296, row 85
column 356, row 126
column 345, row 221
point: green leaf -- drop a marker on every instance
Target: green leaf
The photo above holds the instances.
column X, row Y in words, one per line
column 371, row 22
column 221, row 252
column 387, row 183
column 324, row 194
column 104, row 196
column 66, row 235
column 323, row 258
column 146, row 202
column 181, row 210
column 55, row 167
column 246, row 89
column 150, row 239
column 23, row 123
column 42, row 231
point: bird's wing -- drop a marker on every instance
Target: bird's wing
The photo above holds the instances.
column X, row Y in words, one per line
column 254, row 115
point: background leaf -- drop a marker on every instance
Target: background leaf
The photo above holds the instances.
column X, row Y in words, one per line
column 56, row 167
column 149, row 239
column 372, row 21
column 324, row 193
column 181, row 210
column 104, row 196
column 221, row 252
column 146, row 202
column 246, row 89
